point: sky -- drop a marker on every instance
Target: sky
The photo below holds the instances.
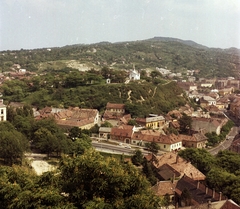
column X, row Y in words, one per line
column 30, row 24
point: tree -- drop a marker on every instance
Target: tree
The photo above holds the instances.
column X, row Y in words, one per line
column 166, row 200
column 229, row 161
column 23, row 124
column 186, row 197
column 200, row 158
column 137, row 158
column 90, row 180
column 95, row 129
column 11, row 113
column 107, row 124
column 74, row 132
column 45, row 141
column 153, row 147
column 148, row 171
column 185, row 123
column 13, row 144
column 213, row 138
column 80, row 145
column 132, row 122
column 155, row 74
column 21, row 188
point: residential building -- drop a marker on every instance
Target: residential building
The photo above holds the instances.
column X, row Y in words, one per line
column 206, row 85
column 223, row 102
column 214, row 110
column 187, row 86
column 122, row 133
column 175, row 167
column 104, row 132
column 196, row 140
column 198, row 193
column 71, row 117
column 226, row 91
column 3, row 111
column 163, row 188
column 234, row 108
column 153, row 122
column 114, row 111
column 210, row 100
column 208, row 125
column 221, row 83
column 166, row 143
column 235, row 146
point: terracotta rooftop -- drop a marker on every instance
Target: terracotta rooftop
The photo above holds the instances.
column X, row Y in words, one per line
column 230, row 204
column 121, row 132
column 199, row 192
column 214, row 121
column 212, row 108
column 164, row 187
column 69, row 117
column 167, row 172
column 114, row 106
column 179, row 164
column 198, row 137
column 156, row 137
column 74, row 123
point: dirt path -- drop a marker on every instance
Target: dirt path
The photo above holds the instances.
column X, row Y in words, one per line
column 38, row 163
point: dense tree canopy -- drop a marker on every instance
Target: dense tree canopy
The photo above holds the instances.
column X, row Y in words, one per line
column 13, row 144
column 90, row 180
column 185, row 123
column 21, row 188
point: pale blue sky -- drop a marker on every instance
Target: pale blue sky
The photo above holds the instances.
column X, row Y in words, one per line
column 30, row 24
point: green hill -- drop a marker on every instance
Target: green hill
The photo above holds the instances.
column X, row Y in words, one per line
column 174, row 54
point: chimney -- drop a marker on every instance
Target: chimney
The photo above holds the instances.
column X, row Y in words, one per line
column 220, row 196
column 209, row 204
column 206, row 190
column 177, row 158
column 198, row 184
column 174, row 176
column 213, row 193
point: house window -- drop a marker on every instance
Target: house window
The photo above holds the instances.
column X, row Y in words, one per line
column 134, row 142
column 2, row 118
column 164, row 146
column 1, row 111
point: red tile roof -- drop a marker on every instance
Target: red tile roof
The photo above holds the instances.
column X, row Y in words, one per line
column 199, row 193
column 114, row 106
column 230, row 204
column 121, row 132
column 198, row 137
column 179, row 164
column 164, row 187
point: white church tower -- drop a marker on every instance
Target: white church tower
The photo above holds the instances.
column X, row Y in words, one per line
column 134, row 74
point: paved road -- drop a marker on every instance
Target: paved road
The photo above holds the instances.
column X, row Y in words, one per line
column 226, row 143
column 117, row 149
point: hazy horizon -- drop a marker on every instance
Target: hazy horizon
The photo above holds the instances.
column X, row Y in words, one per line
column 28, row 24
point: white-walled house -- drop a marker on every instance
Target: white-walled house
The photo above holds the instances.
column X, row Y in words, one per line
column 3, row 111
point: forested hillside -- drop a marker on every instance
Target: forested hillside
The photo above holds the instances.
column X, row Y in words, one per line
column 173, row 54
column 141, row 98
